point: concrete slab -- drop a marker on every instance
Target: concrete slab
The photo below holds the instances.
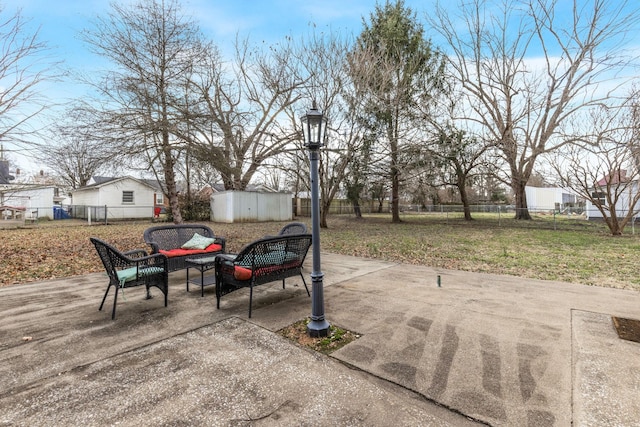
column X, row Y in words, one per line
column 228, row 373
column 606, row 372
column 480, row 349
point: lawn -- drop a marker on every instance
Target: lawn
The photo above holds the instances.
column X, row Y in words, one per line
column 588, row 255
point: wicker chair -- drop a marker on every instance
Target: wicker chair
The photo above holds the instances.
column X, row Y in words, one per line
column 133, row 268
column 293, row 228
column 262, row 261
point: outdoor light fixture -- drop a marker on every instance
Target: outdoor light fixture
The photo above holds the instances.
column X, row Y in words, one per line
column 313, row 127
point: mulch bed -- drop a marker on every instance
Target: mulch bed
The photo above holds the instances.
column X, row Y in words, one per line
column 337, row 338
column 628, row 329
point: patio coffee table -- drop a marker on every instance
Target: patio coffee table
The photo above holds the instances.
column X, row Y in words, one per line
column 202, row 265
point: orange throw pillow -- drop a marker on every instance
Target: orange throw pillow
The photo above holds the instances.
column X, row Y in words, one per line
column 241, row 273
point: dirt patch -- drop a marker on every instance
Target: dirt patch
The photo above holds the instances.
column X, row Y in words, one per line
column 628, row 329
column 336, row 339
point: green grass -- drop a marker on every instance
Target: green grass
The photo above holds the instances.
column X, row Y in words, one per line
column 587, row 255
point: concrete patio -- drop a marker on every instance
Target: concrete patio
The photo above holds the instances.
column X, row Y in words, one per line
column 479, row 350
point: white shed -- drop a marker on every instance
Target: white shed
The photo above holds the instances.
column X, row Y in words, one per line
column 123, row 198
column 251, row 206
column 549, row 198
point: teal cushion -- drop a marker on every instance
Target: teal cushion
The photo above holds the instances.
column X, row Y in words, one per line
column 131, row 273
column 198, row 242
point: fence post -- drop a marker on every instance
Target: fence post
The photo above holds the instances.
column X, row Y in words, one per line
column 105, row 214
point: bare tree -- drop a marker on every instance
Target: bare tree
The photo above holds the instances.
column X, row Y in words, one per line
column 153, row 48
column 24, row 65
column 527, row 105
column 605, row 170
column 74, row 161
column 457, row 159
column 241, row 113
column 294, row 165
column 73, row 152
column 324, row 58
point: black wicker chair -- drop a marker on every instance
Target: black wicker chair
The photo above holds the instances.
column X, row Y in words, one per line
column 132, row 268
column 168, row 238
column 294, row 228
column 262, row 261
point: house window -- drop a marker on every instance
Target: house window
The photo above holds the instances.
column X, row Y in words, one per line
column 599, row 198
column 159, row 199
column 127, row 197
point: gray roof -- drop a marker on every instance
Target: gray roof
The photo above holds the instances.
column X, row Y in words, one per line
column 99, row 180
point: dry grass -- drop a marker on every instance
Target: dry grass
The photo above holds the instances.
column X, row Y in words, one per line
column 587, row 256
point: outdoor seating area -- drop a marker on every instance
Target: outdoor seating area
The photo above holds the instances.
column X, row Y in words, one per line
column 178, row 242
column 185, row 246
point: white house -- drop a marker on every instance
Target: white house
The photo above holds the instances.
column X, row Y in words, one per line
column 38, row 201
column 625, row 188
column 549, row 198
column 115, row 198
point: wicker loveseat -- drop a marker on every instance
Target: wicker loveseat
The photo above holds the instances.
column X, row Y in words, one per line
column 262, row 261
column 170, row 240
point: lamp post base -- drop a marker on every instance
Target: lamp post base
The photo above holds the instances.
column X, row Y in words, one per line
column 318, row 328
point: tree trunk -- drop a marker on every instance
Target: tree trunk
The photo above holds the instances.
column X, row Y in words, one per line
column 462, row 187
column 522, row 211
column 614, row 228
column 613, row 223
column 395, row 196
column 170, row 180
column 324, row 210
column 356, row 209
column 395, row 183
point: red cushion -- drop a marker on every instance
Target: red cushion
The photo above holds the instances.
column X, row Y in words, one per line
column 271, row 268
column 241, row 273
column 214, row 247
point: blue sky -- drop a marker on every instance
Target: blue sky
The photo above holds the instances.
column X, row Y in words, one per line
column 60, row 21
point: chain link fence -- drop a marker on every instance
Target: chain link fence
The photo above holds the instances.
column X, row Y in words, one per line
column 565, row 218
column 110, row 213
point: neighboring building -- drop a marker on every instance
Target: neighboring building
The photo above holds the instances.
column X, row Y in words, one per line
column 28, row 200
column 626, row 189
column 115, row 198
column 550, row 198
column 250, row 206
column 38, row 201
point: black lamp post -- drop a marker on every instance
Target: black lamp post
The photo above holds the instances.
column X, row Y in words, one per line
column 313, row 127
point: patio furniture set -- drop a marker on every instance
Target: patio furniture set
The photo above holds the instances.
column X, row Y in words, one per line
column 195, row 246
